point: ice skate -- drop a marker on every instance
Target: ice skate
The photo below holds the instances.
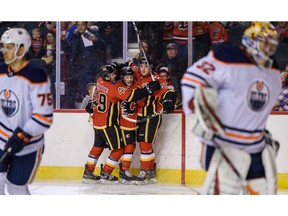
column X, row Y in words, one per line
column 89, row 177
column 107, row 178
column 141, row 178
column 126, row 177
column 151, row 175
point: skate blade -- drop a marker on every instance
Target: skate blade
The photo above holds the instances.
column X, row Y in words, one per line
column 141, row 182
column 152, row 181
column 123, row 181
column 104, row 181
column 90, row 181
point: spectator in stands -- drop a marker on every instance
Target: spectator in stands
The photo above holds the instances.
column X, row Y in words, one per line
column 84, row 57
column 49, row 45
column 36, row 45
column 176, row 66
column 282, row 100
column 180, row 36
column 201, row 40
column 140, row 55
column 90, row 87
column 217, row 33
column 163, row 72
column 282, row 29
column 167, row 35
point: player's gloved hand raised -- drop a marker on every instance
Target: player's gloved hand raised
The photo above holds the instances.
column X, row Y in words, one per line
column 17, row 141
column 91, row 106
column 168, row 105
column 153, row 86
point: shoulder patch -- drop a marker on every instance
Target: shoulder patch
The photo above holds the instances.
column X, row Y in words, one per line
column 121, row 89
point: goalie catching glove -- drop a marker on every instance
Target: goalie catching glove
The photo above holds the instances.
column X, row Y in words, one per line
column 17, row 141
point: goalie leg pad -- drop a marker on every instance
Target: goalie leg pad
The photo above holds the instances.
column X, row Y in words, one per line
column 269, row 162
column 258, row 185
column 221, row 179
column 208, row 121
column 17, row 189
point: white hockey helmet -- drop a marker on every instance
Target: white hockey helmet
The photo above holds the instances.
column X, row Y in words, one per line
column 261, row 42
column 18, row 37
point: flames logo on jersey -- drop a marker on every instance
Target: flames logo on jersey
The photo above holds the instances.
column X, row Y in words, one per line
column 258, row 96
column 9, row 102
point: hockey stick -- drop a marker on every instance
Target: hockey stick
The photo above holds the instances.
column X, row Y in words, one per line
column 6, row 153
column 245, row 185
column 142, row 49
column 143, row 119
column 149, row 116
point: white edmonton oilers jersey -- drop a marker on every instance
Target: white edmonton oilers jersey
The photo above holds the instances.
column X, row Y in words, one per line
column 26, row 102
column 246, row 94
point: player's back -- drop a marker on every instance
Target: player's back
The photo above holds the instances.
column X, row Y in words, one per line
column 246, row 94
column 108, row 97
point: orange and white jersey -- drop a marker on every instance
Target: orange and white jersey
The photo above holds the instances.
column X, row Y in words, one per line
column 26, row 102
column 246, row 94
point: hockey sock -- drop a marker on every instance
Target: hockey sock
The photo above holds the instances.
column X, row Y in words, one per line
column 146, row 155
column 112, row 161
column 127, row 156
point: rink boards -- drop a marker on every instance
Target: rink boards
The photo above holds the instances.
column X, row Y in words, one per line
column 177, row 150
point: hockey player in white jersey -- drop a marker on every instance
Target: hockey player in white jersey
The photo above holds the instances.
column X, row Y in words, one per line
column 232, row 91
column 26, row 113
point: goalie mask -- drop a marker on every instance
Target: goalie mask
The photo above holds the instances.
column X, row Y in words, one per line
column 261, row 42
column 18, row 37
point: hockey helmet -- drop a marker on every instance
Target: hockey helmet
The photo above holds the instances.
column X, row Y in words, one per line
column 144, row 60
column 261, row 42
column 127, row 71
column 106, row 71
column 18, row 37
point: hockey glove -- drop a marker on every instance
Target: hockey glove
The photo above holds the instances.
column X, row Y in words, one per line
column 17, row 141
column 269, row 140
column 91, row 106
column 168, row 105
column 152, row 86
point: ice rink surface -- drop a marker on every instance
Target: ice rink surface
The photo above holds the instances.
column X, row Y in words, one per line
column 58, row 198
column 78, row 188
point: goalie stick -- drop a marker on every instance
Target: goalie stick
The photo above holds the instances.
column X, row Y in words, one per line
column 142, row 49
column 6, row 153
column 246, row 187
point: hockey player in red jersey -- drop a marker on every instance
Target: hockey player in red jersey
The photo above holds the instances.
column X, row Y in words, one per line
column 26, row 113
column 163, row 99
column 128, row 128
column 106, row 122
column 233, row 90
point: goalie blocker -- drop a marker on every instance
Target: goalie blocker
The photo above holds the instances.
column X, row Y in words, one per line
column 257, row 170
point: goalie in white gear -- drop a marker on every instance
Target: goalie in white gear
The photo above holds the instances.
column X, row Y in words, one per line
column 26, row 113
column 246, row 82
